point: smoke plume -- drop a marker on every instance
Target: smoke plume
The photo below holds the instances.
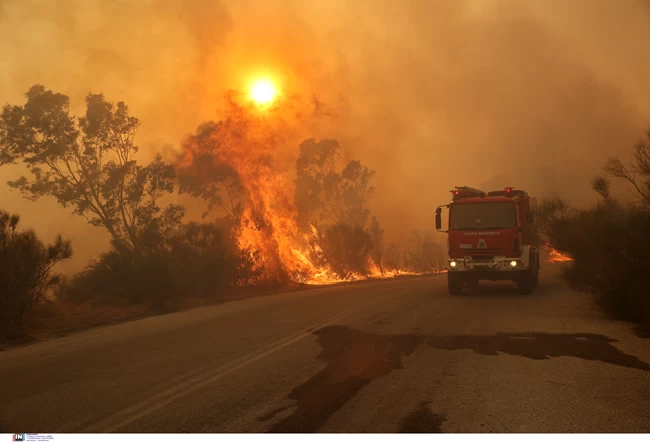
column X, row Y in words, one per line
column 430, row 94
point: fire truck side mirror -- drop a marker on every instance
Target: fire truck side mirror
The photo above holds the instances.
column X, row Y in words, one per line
column 438, row 218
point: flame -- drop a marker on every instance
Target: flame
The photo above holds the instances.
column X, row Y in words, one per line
column 555, row 256
column 250, row 143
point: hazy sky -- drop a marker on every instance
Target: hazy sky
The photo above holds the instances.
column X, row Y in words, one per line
column 431, row 94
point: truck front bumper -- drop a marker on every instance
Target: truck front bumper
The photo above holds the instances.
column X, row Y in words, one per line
column 496, row 264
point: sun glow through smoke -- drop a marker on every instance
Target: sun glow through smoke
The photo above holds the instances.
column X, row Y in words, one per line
column 263, row 91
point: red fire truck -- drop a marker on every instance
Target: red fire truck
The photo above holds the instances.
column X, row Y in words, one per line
column 491, row 236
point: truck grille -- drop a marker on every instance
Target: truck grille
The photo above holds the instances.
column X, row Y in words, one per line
column 482, row 253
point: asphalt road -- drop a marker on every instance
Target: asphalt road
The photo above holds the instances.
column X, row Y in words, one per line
column 390, row 356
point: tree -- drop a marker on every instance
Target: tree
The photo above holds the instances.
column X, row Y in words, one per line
column 601, row 185
column 202, row 172
column 421, row 252
column 377, row 234
column 88, row 163
column 548, row 211
column 25, row 272
column 323, row 194
column 637, row 174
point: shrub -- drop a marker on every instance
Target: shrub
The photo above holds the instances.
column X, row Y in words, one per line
column 204, row 258
column 609, row 245
column 394, row 258
column 200, row 259
column 421, row 252
column 25, row 272
column 346, row 249
column 609, row 241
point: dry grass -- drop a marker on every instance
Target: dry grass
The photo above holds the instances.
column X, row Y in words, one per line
column 59, row 318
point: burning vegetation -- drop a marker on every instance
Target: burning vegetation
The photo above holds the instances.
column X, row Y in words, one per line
column 269, row 225
column 555, row 256
column 267, row 228
column 314, row 229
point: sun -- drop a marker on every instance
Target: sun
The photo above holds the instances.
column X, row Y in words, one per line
column 263, row 91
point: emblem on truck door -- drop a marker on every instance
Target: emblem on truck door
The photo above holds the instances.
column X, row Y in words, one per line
column 481, row 244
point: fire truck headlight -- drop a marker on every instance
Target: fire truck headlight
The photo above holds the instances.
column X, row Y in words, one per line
column 513, row 263
column 453, row 263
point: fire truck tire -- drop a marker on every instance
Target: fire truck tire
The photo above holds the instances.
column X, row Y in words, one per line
column 471, row 283
column 525, row 282
column 454, row 283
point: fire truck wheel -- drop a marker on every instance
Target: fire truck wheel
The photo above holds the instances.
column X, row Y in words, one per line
column 525, row 282
column 454, row 283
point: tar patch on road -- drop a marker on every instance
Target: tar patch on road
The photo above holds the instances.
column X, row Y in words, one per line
column 422, row 420
column 541, row 346
column 354, row 358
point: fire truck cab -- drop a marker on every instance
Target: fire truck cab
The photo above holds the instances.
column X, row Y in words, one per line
column 491, row 236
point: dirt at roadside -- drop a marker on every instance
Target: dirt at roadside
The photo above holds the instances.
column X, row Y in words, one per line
column 57, row 318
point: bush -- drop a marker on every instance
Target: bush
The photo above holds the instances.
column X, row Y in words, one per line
column 394, row 258
column 376, row 232
column 118, row 275
column 415, row 252
column 609, row 241
column 421, row 252
column 25, row 272
column 199, row 259
column 346, row 249
column 207, row 259
column 609, row 246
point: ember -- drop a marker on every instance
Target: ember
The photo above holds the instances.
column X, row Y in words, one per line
column 555, row 256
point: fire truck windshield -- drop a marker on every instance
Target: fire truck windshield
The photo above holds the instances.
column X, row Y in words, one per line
column 479, row 216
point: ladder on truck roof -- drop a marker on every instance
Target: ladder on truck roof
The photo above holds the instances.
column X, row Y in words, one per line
column 512, row 192
column 467, row 192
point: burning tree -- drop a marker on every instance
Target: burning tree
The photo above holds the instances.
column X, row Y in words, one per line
column 347, row 250
column 204, row 174
column 234, row 165
column 238, row 165
column 325, row 195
